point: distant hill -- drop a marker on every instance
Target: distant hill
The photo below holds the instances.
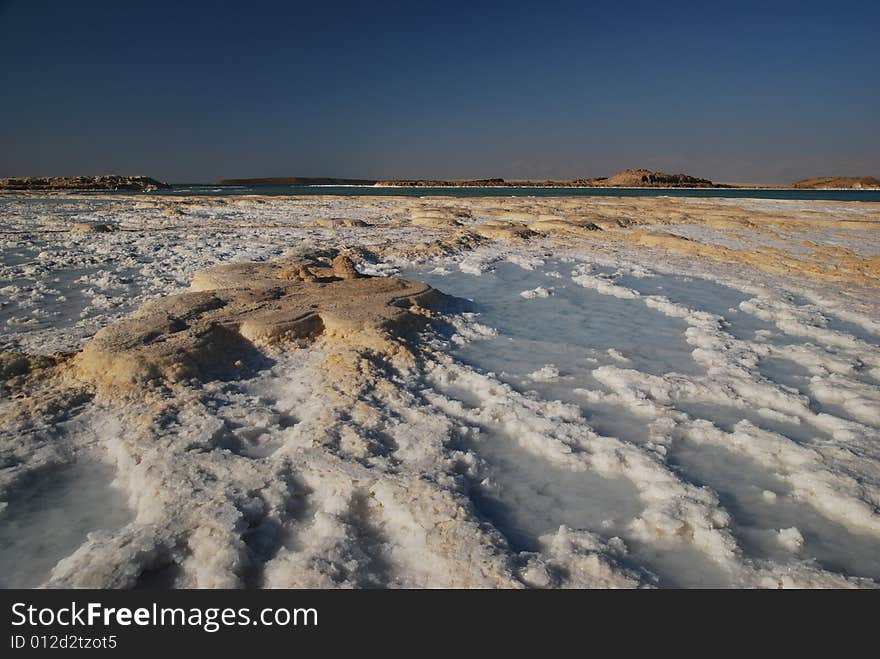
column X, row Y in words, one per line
column 112, row 182
column 645, row 178
column 295, row 180
column 840, row 182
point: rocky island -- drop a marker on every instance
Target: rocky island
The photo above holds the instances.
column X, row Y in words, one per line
column 628, row 178
column 70, row 183
column 838, row 182
column 645, row 178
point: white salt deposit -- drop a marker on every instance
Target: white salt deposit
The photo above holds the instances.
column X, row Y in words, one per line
column 538, row 291
column 586, row 419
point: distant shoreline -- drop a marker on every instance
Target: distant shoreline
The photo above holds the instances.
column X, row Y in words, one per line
column 209, row 191
column 173, row 186
column 536, row 186
column 628, row 179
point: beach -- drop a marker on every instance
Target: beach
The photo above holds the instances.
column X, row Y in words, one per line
column 436, row 391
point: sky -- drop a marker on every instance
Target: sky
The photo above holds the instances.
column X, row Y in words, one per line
column 748, row 92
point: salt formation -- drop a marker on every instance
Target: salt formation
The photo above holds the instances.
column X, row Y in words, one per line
column 623, row 393
column 233, row 308
column 224, row 537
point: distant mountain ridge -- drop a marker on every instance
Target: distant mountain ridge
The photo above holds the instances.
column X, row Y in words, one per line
column 109, row 182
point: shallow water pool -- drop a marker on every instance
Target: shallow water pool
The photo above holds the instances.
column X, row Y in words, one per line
column 50, row 517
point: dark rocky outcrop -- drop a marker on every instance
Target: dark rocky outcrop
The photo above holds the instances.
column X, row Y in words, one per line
column 113, row 182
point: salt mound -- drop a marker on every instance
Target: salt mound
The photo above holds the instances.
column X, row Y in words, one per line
column 560, row 225
column 231, row 309
column 499, row 230
column 439, row 217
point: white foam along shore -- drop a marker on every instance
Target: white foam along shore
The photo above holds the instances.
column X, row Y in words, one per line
column 729, row 438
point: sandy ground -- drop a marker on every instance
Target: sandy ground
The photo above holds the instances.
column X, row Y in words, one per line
column 439, row 392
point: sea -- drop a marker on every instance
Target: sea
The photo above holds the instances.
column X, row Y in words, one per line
column 195, row 189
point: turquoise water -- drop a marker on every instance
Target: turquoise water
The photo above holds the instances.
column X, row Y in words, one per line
column 370, row 191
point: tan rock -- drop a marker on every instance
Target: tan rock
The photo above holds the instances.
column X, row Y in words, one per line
column 343, row 267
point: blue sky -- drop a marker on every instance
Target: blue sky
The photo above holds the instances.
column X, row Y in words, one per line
column 740, row 91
